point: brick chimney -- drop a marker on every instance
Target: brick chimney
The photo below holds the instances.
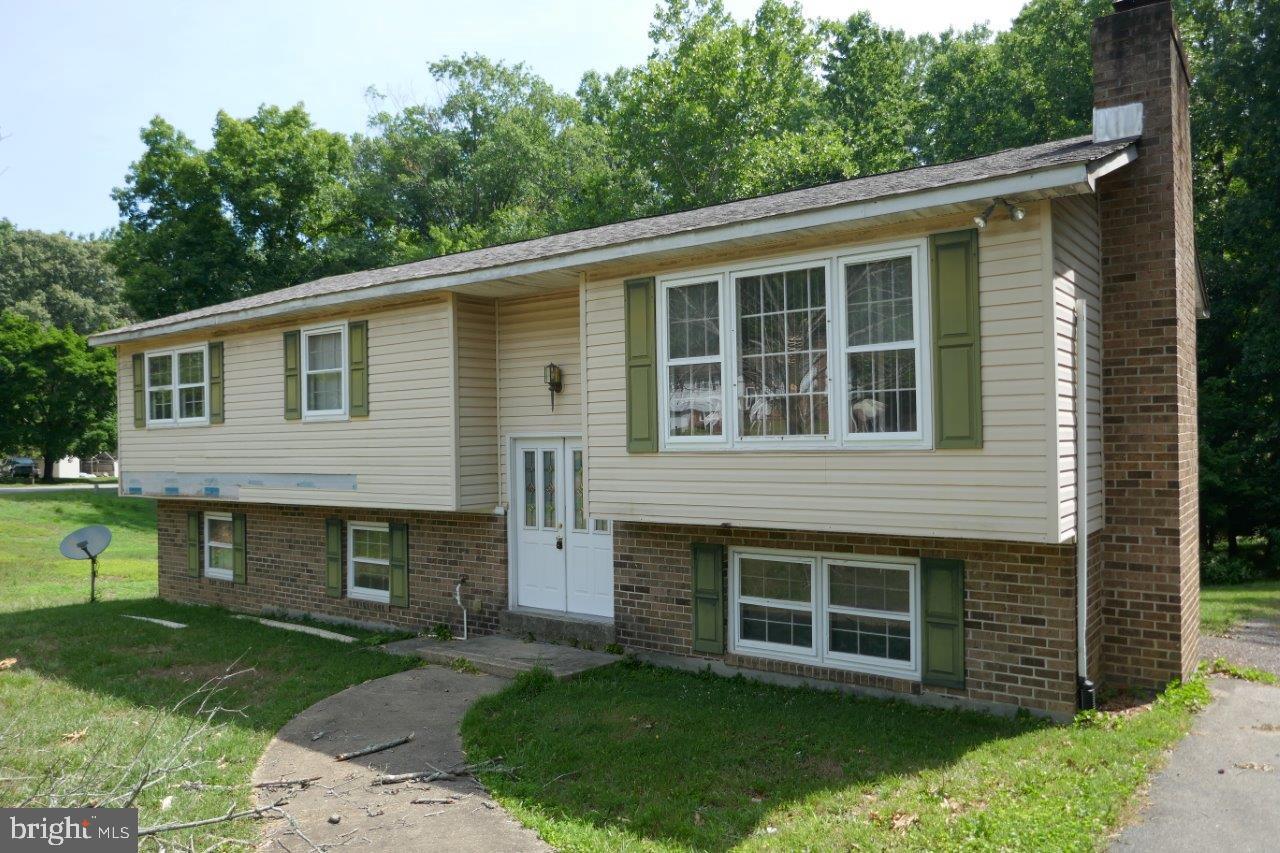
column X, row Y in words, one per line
column 1150, row 545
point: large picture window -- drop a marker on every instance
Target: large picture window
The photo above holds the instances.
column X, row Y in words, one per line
column 827, row 351
column 177, row 387
column 834, row 610
column 324, row 370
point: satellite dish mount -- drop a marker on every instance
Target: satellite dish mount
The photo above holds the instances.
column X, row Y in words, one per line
column 86, row 544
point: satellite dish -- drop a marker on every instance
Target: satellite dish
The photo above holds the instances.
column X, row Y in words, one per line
column 86, row 544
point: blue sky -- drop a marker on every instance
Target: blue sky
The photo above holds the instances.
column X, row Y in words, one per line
column 81, row 78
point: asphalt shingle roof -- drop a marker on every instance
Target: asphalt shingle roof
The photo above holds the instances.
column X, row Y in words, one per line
column 1000, row 164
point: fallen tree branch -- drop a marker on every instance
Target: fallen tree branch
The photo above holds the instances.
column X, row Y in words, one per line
column 230, row 815
column 435, row 774
column 369, row 750
column 285, row 783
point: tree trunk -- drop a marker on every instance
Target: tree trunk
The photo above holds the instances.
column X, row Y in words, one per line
column 47, row 461
column 1233, row 544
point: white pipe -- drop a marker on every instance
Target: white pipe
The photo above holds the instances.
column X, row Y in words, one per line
column 1082, row 487
column 457, row 596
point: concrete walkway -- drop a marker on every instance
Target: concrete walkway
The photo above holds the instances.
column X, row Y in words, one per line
column 504, row 656
column 429, row 702
column 1255, row 643
column 1221, row 788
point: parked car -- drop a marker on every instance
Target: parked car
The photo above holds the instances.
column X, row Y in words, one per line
column 19, row 466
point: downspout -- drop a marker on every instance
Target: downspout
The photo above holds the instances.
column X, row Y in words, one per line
column 1086, row 691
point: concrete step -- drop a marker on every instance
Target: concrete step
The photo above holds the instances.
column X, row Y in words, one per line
column 585, row 631
column 504, row 656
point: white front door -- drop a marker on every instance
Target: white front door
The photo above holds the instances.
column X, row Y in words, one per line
column 563, row 557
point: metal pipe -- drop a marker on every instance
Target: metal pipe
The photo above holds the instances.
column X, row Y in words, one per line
column 1087, row 694
column 457, row 596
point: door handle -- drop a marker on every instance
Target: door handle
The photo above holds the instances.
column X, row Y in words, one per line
column 559, row 543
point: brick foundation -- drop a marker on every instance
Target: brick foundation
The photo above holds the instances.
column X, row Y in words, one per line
column 285, row 553
column 1020, row 627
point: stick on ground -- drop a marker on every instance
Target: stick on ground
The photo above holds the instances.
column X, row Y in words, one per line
column 369, row 750
column 285, row 783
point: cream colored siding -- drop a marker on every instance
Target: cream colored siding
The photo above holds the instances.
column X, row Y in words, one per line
column 1076, row 273
column 401, row 455
column 475, row 324
column 532, row 332
column 1000, row 491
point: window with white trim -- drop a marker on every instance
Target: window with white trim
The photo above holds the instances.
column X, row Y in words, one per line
column 369, row 561
column 815, row 352
column 219, row 553
column 178, row 386
column 840, row 611
column 324, row 372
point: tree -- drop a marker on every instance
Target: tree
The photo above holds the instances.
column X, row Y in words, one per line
column 57, row 396
column 60, row 280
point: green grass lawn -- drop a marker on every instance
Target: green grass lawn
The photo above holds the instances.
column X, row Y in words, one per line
column 1223, row 607
column 89, row 683
column 636, row 758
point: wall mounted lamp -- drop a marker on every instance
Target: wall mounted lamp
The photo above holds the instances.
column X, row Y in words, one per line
column 554, row 377
column 1016, row 213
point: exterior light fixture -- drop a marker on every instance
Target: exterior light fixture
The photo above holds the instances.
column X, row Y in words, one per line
column 1016, row 214
column 554, row 377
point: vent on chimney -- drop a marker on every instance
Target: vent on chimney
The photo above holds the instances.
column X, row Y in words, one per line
column 1122, row 122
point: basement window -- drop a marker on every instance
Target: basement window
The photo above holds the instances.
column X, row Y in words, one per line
column 219, row 558
column 369, row 561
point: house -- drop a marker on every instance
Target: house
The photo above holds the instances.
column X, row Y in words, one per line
column 930, row 432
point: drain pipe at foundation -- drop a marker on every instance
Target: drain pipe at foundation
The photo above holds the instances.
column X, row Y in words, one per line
column 1086, row 691
column 457, row 596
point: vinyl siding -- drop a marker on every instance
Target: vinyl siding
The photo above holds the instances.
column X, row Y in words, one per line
column 476, row 343
column 1000, row 491
column 402, row 454
column 1077, row 263
column 532, row 332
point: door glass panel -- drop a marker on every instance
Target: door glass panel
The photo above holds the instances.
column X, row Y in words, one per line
column 530, row 489
column 579, row 493
column 548, row 488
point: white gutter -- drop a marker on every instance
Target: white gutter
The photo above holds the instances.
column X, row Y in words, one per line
column 1082, row 489
column 1071, row 178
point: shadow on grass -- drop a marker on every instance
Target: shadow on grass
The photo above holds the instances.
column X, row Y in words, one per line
column 701, row 761
column 80, row 508
column 94, row 648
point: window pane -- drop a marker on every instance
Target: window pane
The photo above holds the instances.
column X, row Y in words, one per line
column 160, row 370
column 372, row 576
column 221, row 558
column 579, row 493
column 695, row 399
column 782, row 353
column 776, row 625
column 878, row 294
column 161, row 405
column 324, row 392
column 324, row 351
column 370, row 544
column 600, row 525
column 530, row 488
column 548, row 488
column 882, row 391
column 693, row 320
column 191, row 402
column 776, row 579
column 877, row 638
column 219, row 531
column 190, row 367
column 871, row 588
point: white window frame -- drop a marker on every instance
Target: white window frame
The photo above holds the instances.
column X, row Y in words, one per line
column 339, row 414
column 175, row 386
column 820, row 653
column 666, row 285
column 209, row 546
column 379, row 596
column 839, row 436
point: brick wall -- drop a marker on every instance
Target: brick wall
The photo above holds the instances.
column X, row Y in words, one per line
column 285, row 554
column 1019, row 607
column 1150, row 545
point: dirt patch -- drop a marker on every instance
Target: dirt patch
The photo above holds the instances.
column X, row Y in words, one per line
column 823, row 767
column 1126, row 704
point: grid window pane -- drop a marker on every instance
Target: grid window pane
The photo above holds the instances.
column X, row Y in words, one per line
column 548, row 488
column 370, row 544
column 372, row 575
column 782, row 355
column 324, row 392
column 776, row 579
column 878, row 295
column 870, row 637
column 221, row 558
column 776, row 625
column 219, row 531
column 530, row 488
column 882, row 391
column 191, row 368
column 160, row 370
column 871, row 588
column 579, row 493
column 695, row 400
column 693, row 320
column 191, row 402
column 162, row 405
column 324, row 351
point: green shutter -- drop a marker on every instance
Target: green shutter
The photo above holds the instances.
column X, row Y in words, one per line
column 942, row 583
column 957, row 359
column 708, row 598
column 237, row 548
column 399, row 564
column 215, row 383
column 139, row 392
column 358, row 367
column 292, row 376
column 641, row 365
column 193, row 544
column 333, row 557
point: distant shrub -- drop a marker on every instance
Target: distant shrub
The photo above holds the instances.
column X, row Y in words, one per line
column 1218, row 567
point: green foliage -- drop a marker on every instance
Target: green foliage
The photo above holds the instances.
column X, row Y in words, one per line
column 59, row 280
column 442, row 632
column 1219, row 567
column 57, row 396
column 1222, row 666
